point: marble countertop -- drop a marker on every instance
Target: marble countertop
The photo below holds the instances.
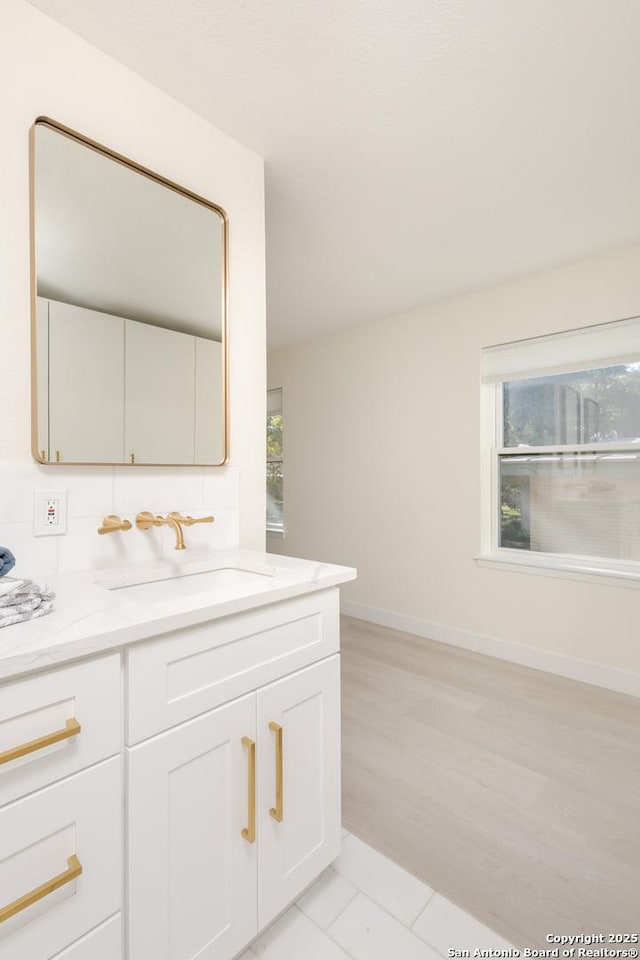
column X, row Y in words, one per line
column 93, row 614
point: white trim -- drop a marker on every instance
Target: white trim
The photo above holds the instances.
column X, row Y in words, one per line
column 489, row 407
column 600, row 450
column 589, row 569
column 573, row 668
column 277, row 532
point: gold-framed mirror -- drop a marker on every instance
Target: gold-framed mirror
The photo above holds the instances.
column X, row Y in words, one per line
column 129, row 325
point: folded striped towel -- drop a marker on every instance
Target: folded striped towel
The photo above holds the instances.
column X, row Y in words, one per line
column 23, row 600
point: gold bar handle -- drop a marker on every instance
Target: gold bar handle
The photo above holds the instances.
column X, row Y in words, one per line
column 74, row 869
column 277, row 811
column 249, row 832
column 71, row 729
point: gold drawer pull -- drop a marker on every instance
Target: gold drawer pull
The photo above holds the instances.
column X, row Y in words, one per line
column 71, row 729
column 249, row 832
column 276, row 812
column 74, row 869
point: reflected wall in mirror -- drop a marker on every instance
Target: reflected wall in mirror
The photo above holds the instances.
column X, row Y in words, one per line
column 129, row 314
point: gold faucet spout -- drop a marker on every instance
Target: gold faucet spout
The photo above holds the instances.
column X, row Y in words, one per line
column 145, row 520
column 181, row 521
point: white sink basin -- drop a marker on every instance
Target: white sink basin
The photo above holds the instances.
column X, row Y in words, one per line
column 169, row 586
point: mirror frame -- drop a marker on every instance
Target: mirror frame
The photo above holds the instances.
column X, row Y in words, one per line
column 171, row 185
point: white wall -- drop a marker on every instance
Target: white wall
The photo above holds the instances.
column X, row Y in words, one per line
column 46, row 70
column 382, row 470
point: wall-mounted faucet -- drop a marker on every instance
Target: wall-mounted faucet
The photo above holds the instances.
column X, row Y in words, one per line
column 145, row 520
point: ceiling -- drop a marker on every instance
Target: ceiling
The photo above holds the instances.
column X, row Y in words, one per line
column 415, row 149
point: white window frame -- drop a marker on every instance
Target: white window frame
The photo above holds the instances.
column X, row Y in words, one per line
column 595, row 569
column 273, row 530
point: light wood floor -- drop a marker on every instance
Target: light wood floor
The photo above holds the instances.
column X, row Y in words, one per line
column 512, row 792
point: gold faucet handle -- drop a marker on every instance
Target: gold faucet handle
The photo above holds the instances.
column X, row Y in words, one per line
column 111, row 523
column 144, row 520
column 189, row 521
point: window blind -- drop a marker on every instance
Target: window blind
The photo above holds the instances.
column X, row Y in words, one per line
column 274, row 402
column 604, row 345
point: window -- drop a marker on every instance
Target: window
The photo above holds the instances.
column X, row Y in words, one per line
column 275, row 516
column 565, row 450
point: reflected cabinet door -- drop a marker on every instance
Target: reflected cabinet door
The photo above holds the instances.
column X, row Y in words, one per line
column 160, row 390
column 86, row 360
column 210, row 402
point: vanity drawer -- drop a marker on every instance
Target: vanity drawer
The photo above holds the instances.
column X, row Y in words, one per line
column 51, row 834
column 104, row 943
column 185, row 673
column 43, row 708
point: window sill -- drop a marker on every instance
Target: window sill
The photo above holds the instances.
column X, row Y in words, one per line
column 543, row 565
column 276, row 532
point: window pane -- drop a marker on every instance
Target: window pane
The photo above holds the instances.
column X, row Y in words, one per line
column 589, row 406
column 274, row 494
column 274, row 460
column 274, row 435
column 584, row 504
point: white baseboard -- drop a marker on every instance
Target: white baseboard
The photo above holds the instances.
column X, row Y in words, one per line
column 573, row 668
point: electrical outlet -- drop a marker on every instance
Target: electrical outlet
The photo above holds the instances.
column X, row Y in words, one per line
column 49, row 513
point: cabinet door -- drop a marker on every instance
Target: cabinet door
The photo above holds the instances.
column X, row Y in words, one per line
column 296, row 848
column 86, row 360
column 192, row 875
column 160, row 389
column 209, row 413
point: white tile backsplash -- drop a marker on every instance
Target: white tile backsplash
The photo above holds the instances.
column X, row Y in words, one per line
column 84, row 549
column 86, row 497
column 221, row 487
column 17, row 483
column 157, row 489
column 222, row 534
column 94, row 492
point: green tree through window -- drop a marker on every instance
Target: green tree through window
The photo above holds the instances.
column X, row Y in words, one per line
column 275, row 505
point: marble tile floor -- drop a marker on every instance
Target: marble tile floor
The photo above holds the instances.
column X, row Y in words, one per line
column 365, row 907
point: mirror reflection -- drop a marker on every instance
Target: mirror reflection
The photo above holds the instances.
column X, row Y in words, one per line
column 129, row 311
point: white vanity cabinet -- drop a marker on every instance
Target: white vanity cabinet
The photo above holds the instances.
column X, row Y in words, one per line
column 228, row 806
column 232, row 814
